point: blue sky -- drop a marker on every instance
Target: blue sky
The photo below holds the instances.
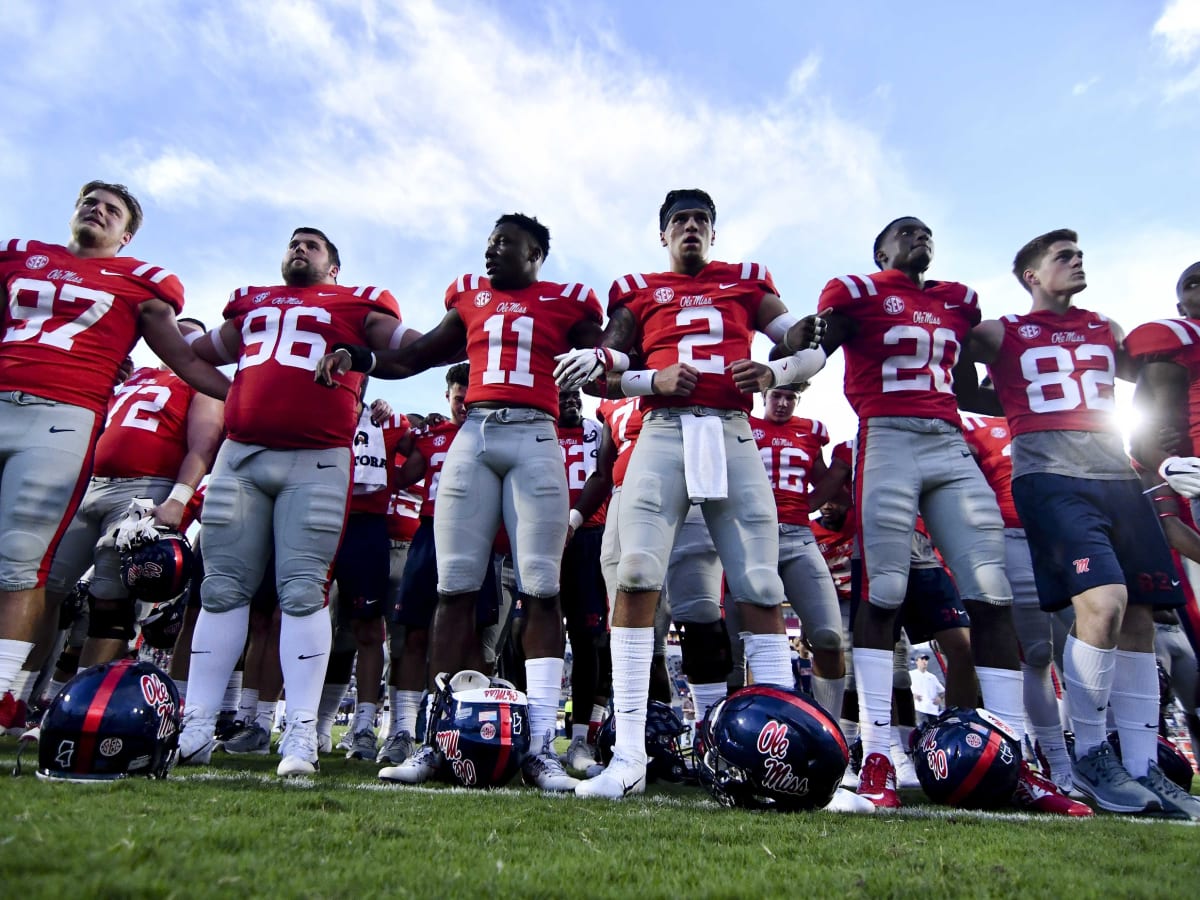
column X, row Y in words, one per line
column 404, row 128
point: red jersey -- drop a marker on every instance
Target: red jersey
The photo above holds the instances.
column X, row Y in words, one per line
column 836, row 548
column 378, row 502
column 433, row 444
column 1055, row 372
column 788, row 452
column 993, row 445
column 274, row 400
column 70, row 321
column 404, row 510
column 624, row 418
column 513, row 337
column 146, row 430
column 706, row 320
column 580, row 447
column 900, row 361
column 1176, row 341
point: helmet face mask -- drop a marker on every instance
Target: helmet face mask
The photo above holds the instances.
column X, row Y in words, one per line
column 766, row 747
column 666, row 758
column 481, row 726
column 967, row 758
column 111, row 721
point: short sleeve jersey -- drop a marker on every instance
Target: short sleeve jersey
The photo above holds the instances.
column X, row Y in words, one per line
column 837, row 547
column 989, row 437
column 1176, row 341
column 580, row 447
column 624, row 419
column 69, row 321
column 513, row 337
column 433, row 444
column 706, row 320
column 789, row 451
column 377, row 502
column 900, row 360
column 146, row 430
column 274, row 400
column 1055, row 372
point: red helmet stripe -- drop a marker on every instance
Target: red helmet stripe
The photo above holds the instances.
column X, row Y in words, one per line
column 811, row 709
column 95, row 713
column 180, row 574
column 990, row 749
column 505, row 747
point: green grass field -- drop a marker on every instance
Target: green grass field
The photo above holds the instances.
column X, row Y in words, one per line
column 234, row 829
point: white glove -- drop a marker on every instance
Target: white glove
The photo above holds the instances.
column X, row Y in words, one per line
column 137, row 527
column 1182, row 474
column 578, row 367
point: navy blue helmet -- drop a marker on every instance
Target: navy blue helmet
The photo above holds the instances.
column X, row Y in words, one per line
column 158, row 571
column 967, row 758
column 666, row 758
column 481, row 726
column 111, row 721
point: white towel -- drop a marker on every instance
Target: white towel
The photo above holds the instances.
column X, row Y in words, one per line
column 704, row 457
column 370, row 456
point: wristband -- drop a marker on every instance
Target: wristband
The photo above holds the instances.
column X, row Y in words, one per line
column 361, row 359
column 191, row 337
column 615, row 360
column 638, row 383
column 575, row 519
column 181, row 493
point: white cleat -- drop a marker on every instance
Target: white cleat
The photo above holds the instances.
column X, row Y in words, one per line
column 196, row 741
column 906, row 772
column 580, row 755
column 298, row 747
column 417, row 769
column 850, row 780
column 619, row 779
column 845, row 801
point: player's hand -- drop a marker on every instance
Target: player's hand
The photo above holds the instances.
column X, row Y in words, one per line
column 577, row 367
column 750, row 377
column 433, row 420
column 381, row 411
column 330, row 366
column 812, row 332
column 676, row 380
column 125, row 369
column 1182, row 474
column 168, row 514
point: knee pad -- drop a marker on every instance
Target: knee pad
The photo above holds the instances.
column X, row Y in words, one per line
column 221, row 593
column 707, row 654
column 1038, row 654
column 762, row 587
column 538, row 576
column 994, row 588
column 639, row 571
column 458, row 573
column 300, row 597
column 826, row 639
column 110, row 619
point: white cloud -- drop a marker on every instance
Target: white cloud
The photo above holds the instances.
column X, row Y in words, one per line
column 1082, row 87
column 1179, row 29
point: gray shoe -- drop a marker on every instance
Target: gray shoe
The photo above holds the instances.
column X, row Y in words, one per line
column 251, row 739
column 417, row 769
column 1176, row 802
column 1101, row 777
column 396, row 749
column 363, row 745
column 345, row 742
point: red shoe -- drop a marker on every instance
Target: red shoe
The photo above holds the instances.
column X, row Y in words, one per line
column 13, row 714
column 1038, row 794
column 877, row 782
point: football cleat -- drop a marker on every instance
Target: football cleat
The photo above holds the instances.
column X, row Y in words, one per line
column 544, row 771
column 363, row 745
column 1099, row 775
column 251, row 739
column 877, row 782
column 1176, row 802
column 396, row 749
column 298, row 747
column 13, row 715
column 845, row 801
column 850, row 780
column 906, row 772
column 417, row 769
column 196, row 741
column 345, row 742
column 1037, row 793
column 324, row 743
column 619, row 779
column 579, row 755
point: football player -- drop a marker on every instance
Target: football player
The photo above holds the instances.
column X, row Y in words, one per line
column 72, row 314
column 281, row 480
column 1094, row 536
column 504, row 464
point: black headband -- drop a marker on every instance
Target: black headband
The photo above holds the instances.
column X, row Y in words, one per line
column 686, row 201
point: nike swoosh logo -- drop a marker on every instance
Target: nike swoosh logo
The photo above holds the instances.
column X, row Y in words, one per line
column 1095, row 324
column 726, row 287
column 882, row 724
column 547, row 298
column 1166, row 471
column 309, row 655
column 326, row 293
column 742, row 440
column 953, row 305
column 626, row 788
column 200, row 652
column 54, row 429
column 106, row 272
column 541, row 438
column 326, row 465
column 1174, row 583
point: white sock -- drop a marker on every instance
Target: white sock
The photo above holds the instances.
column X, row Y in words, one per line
column 873, row 681
column 304, row 643
column 631, row 649
column 1088, row 674
column 233, row 693
column 53, row 688
column 769, row 659
column 364, row 717
column 828, row 693
column 248, row 705
column 264, row 715
column 706, row 696
column 404, row 712
column 543, row 685
column 12, row 657
column 216, row 645
column 327, row 709
column 22, row 685
column 1135, row 707
column 1002, row 691
column 849, row 729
